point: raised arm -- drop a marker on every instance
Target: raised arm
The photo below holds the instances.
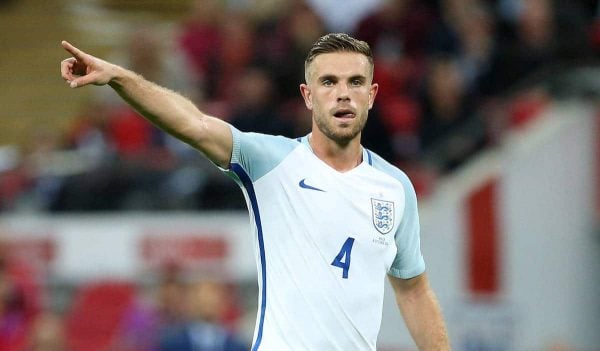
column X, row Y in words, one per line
column 421, row 312
column 166, row 109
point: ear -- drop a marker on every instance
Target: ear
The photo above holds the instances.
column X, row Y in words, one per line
column 372, row 94
column 306, row 94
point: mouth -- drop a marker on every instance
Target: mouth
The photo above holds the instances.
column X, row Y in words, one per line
column 344, row 114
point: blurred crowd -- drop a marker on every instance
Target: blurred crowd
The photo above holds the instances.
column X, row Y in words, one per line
column 172, row 310
column 448, row 71
column 453, row 76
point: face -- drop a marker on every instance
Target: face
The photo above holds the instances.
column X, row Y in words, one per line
column 339, row 92
column 206, row 301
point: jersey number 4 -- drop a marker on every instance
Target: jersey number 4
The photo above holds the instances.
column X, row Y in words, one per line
column 342, row 260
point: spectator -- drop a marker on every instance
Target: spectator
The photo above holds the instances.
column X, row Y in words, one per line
column 467, row 31
column 156, row 56
column 32, row 180
column 204, row 330
column 236, row 54
column 283, row 44
column 16, row 307
column 47, row 334
column 87, row 133
column 447, row 112
column 201, row 40
column 254, row 108
column 153, row 313
column 15, row 178
column 537, row 42
column 400, row 27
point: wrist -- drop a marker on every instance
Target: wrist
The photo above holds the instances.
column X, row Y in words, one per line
column 118, row 76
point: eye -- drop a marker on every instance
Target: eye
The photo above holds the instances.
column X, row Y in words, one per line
column 327, row 82
column 357, row 82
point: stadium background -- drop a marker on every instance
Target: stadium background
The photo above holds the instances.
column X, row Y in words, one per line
column 490, row 106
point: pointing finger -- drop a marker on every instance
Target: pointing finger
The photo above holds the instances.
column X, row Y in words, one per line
column 78, row 54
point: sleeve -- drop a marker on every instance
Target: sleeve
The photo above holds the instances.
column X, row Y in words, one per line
column 409, row 261
column 256, row 154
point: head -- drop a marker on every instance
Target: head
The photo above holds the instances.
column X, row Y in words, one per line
column 206, row 301
column 339, row 87
column 254, row 89
column 47, row 333
column 445, row 85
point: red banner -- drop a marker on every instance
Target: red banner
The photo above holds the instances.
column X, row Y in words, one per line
column 189, row 249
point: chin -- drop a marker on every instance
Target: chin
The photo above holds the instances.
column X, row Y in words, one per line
column 344, row 137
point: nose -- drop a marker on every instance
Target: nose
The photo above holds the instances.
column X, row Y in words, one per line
column 343, row 93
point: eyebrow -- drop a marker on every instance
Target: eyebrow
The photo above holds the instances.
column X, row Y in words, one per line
column 359, row 77
column 327, row 77
column 335, row 78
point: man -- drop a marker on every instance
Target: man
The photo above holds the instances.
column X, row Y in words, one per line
column 203, row 330
column 330, row 218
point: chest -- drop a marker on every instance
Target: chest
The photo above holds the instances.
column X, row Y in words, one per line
column 328, row 206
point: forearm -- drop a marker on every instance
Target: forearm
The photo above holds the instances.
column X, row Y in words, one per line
column 166, row 109
column 421, row 311
column 424, row 320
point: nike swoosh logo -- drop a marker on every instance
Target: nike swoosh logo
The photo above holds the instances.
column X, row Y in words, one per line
column 306, row 186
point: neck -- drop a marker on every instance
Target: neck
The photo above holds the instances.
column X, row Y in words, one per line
column 341, row 157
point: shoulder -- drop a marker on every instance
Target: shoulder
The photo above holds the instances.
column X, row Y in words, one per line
column 173, row 338
column 257, row 153
column 260, row 137
column 234, row 343
column 261, row 144
column 381, row 165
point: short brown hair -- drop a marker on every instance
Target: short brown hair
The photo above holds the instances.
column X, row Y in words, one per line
column 337, row 42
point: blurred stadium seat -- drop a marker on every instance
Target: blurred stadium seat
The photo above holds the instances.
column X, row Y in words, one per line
column 96, row 313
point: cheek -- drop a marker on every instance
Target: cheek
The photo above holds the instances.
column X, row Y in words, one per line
column 318, row 101
column 362, row 99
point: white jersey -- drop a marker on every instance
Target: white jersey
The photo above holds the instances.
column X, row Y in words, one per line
column 325, row 241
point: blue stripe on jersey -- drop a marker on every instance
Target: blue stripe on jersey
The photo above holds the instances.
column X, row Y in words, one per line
column 247, row 182
column 369, row 157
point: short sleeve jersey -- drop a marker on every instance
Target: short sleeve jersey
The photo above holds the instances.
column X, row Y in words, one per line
column 324, row 242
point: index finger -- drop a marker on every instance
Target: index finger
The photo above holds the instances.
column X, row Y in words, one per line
column 78, row 54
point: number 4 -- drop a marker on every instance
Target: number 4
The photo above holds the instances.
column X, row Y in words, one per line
column 342, row 260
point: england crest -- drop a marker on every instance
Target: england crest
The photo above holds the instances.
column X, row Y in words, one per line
column 383, row 215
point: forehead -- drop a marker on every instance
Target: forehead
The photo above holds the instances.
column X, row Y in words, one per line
column 340, row 64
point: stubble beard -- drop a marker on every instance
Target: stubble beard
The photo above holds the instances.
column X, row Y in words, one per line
column 341, row 135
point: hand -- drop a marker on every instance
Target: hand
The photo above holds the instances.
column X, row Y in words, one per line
column 83, row 69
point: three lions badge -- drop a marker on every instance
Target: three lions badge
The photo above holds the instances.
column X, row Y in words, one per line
column 383, row 215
